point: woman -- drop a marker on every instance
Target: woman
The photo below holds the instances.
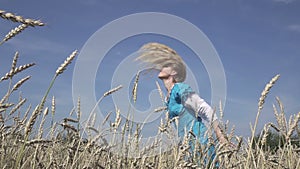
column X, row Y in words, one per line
column 194, row 114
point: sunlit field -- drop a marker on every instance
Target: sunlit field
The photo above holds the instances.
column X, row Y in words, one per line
column 28, row 141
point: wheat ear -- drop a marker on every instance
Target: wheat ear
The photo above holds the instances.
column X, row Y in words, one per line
column 14, row 32
column 78, row 112
column 15, row 60
column 135, row 86
column 16, row 70
column 59, row 71
column 64, row 65
column 265, row 134
column 160, row 92
column 20, row 82
column 292, row 126
column 112, row 90
column 31, row 121
column 266, row 91
column 15, row 87
column 104, row 95
column 6, row 105
column 52, row 110
column 20, row 19
column 17, row 106
column 25, row 115
column 41, row 130
column 260, row 106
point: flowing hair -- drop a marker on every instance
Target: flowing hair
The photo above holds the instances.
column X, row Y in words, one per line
column 158, row 56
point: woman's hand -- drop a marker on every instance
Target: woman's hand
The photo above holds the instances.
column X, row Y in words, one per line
column 221, row 136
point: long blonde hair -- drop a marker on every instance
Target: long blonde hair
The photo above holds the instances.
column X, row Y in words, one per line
column 158, row 55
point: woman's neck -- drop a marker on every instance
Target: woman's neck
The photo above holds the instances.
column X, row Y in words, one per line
column 170, row 87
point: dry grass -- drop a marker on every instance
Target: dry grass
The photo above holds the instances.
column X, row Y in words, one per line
column 26, row 142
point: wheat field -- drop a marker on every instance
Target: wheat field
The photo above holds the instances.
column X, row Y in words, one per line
column 26, row 142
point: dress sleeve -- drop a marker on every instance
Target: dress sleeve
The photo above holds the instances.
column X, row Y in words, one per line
column 193, row 102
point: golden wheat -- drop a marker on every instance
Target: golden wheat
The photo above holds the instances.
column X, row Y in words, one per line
column 14, row 32
column 266, row 91
column 16, row 70
column 160, row 92
column 41, row 128
column 292, row 126
column 31, row 121
column 135, row 86
column 23, row 147
column 14, row 109
column 64, row 65
column 112, row 90
column 14, row 62
column 20, row 82
column 17, row 18
column 260, row 106
column 106, row 118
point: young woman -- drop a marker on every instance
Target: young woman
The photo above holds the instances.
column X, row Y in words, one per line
column 194, row 114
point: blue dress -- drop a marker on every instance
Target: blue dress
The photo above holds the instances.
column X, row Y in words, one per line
column 193, row 113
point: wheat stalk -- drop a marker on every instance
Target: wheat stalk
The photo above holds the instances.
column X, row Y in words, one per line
column 59, row 71
column 161, row 127
column 231, row 134
column 25, row 115
column 150, row 147
column 117, row 122
column 21, row 68
column 93, row 129
column 70, row 120
column 15, row 60
column 63, row 66
column 52, row 110
column 14, row 32
column 6, row 105
column 78, row 112
column 112, row 90
column 277, row 116
column 92, row 121
column 292, row 126
column 1, row 118
column 68, row 126
column 38, row 141
column 260, row 106
column 159, row 109
column 15, row 71
column 46, row 111
column 16, row 18
column 15, row 87
column 72, row 111
column 106, row 118
column 31, row 121
column 20, row 82
column 135, row 86
column 17, row 107
column 266, row 91
column 265, row 135
column 221, row 110
column 282, row 117
column 160, row 92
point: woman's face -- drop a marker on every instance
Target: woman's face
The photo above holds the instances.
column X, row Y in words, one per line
column 165, row 75
column 165, row 72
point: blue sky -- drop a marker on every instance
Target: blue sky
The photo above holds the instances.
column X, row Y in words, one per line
column 255, row 40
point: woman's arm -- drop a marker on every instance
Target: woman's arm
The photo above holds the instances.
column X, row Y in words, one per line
column 201, row 109
column 206, row 113
column 219, row 133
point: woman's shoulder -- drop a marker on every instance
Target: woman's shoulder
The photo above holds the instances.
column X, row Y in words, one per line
column 182, row 87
